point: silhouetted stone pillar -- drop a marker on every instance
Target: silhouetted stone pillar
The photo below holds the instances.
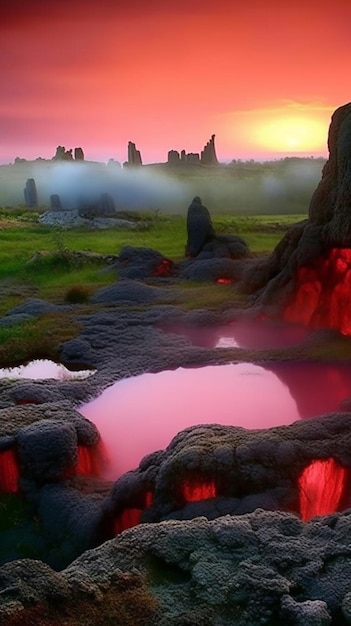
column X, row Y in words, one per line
column 31, row 194
column 106, row 205
column 208, row 154
column 55, row 202
column 173, row 157
column 199, row 227
column 78, row 154
column 134, row 156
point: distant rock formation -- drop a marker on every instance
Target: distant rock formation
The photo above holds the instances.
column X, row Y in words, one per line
column 134, row 156
column 62, row 154
column 106, row 205
column 55, row 202
column 78, row 154
column 66, row 155
column 31, row 194
column 208, row 155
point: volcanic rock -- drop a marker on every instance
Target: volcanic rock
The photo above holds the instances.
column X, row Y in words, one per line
column 306, row 278
column 203, row 243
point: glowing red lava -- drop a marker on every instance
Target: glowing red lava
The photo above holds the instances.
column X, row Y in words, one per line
column 323, row 295
column 196, row 491
column 163, row 268
column 321, row 486
column 91, row 460
column 223, row 281
column 131, row 517
column 9, row 472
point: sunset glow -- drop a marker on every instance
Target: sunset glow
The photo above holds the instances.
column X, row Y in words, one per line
column 264, row 77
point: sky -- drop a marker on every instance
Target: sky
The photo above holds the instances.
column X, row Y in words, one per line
column 263, row 76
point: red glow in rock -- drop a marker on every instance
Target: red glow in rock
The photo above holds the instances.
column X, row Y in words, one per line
column 91, row 460
column 223, row 281
column 323, row 295
column 131, row 517
column 193, row 492
column 127, row 519
column 164, row 268
column 9, row 472
column 321, row 486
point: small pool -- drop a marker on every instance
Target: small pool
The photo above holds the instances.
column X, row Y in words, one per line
column 139, row 415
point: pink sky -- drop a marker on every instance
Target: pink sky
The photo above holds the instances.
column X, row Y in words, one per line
column 263, row 76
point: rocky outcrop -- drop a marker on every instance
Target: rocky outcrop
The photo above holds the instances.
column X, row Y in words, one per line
column 208, row 154
column 262, row 568
column 31, row 194
column 134, row 155
column 306, row 278
column 62, row 154
column 78, row 154
column 203, row 243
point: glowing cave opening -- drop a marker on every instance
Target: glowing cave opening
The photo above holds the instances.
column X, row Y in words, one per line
column 322, row 298
column 321, row 487
column 9, row 472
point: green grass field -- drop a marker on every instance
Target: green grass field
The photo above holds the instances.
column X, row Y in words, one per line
column 55, row 275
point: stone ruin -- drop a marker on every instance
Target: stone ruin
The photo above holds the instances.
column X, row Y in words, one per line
column 66, row 155
column 134, row 156
column 208, row 155
column 307, row 277
column 31, row 194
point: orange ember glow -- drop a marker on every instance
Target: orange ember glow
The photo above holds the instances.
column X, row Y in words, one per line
column 223, row 281
column 323, row 295
column 9, row 472
column 193, row 492
column 320, row 487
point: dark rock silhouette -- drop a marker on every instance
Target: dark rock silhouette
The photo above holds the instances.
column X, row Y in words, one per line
column 55, row 202
column 106, row 205
column 308, row 265
column 31, row 194
column 203, row 242
column 62, row 154
column 173, row 157
column 199, row 227
column 208, row 154
column 134, row 155
column 78, row 154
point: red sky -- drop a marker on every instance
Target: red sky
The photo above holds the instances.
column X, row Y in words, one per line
column 263, row 75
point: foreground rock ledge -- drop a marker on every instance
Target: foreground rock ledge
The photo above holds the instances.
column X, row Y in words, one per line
column 259, row 568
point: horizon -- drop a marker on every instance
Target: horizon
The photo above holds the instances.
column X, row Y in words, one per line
column 166, row 76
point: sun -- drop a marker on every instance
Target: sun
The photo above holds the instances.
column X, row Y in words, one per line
column 290, row 133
